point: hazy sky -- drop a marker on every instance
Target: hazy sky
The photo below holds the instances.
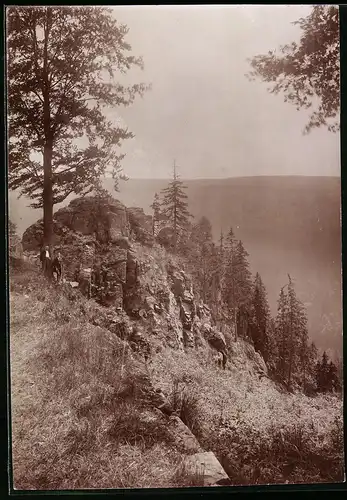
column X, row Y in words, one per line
column 202, row 110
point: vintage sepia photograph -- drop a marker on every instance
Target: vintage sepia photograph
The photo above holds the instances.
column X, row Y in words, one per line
column 174, row 243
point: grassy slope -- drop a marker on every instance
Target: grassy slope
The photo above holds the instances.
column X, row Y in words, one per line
column 77, row 420
column 80, row 419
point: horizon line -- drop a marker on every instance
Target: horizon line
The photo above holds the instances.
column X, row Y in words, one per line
column 230, row 177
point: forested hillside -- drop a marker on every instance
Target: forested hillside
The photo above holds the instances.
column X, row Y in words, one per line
column 295, row 220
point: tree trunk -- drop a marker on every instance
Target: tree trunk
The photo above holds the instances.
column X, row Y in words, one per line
column 175, row 229
column 47, row 195
column 291, row 353
column 48, row 147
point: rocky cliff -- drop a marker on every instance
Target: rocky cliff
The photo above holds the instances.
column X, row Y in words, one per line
column 142, row 281
column 148, row 301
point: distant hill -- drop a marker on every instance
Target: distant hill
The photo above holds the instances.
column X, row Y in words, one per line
column 288, row 225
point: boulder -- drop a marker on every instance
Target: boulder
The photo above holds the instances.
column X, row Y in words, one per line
column 33, row 236
column 183, row 438
column 105, row 218
column 209, row 467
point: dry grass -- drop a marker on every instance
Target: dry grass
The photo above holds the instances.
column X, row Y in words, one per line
column 260, row 435
column 78, row 400
column 81, row 418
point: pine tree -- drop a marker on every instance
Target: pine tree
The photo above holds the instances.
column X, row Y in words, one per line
column 292, row 336
column 237, row 284
column 175, row 206
column 227, row 255
column 297, row 331
column 304, row 360
column 242, row 288
column 333, row 379
column 201, row 255
column 218, row 266
column 327, row 375
column 272, row 356
column 323, row 373
column 282, row 334
column 260, row 318
column 156, row 210
column 215, row 280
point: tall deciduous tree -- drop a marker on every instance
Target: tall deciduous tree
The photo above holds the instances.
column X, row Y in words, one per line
column 308, row 72
column 62, row 69
column 175, row 206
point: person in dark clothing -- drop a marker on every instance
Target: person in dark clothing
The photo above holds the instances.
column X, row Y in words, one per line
column 42, row 257
column 46, row 260
column 57, row 266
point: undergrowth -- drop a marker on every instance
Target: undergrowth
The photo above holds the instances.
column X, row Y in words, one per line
column 81, row 416
column 259, row 435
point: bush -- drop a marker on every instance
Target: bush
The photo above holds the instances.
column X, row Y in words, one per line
column 185, row 404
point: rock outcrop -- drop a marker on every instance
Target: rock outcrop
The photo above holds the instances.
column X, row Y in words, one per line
column 208, row 467
column 97, row 233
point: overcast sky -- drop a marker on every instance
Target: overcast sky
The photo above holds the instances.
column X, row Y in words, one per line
column 202, row 111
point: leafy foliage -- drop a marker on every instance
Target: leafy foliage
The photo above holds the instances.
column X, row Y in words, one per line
column 62, row 69
column 308, row 72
